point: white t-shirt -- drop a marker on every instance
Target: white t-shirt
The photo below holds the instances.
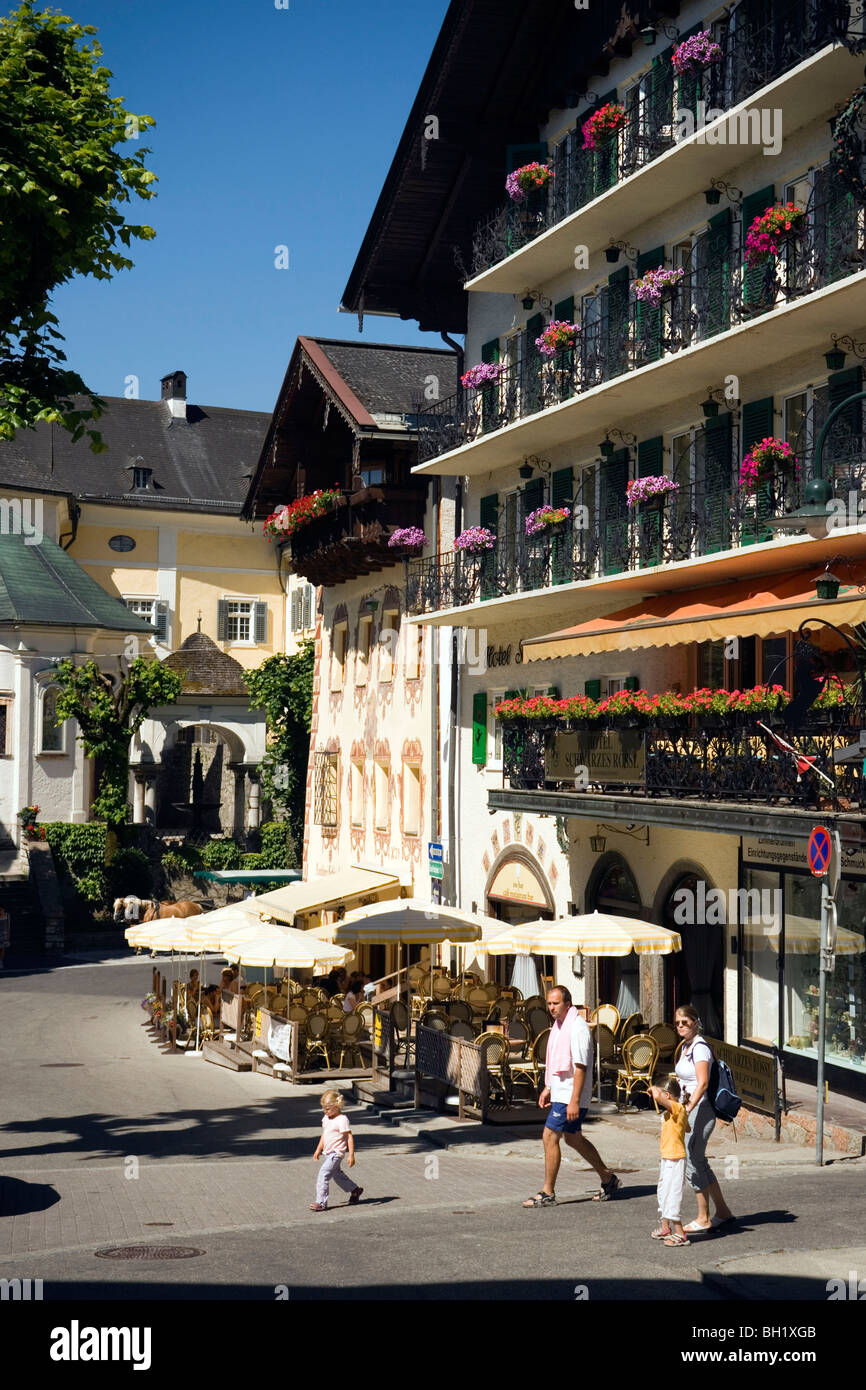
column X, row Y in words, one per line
column 562, row 1083
column 334, row 1131
column 695, row 1051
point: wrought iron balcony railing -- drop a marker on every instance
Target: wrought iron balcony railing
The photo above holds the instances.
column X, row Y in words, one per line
column 619, row 334
column 733, row 762
column 707, row 514
column 352, row 538
column 756, row 49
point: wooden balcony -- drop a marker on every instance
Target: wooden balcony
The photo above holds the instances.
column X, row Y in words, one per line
column 352, row 538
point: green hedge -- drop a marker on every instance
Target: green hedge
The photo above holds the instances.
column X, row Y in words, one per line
column 86, row 880
column 279, row 850
column 222, row 854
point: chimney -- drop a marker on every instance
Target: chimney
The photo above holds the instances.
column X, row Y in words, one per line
column 174, row 391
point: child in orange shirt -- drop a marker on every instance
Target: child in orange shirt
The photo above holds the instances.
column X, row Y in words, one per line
column 672, row 1170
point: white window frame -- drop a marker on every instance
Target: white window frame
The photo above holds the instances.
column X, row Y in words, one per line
column 494, row 729
column 411, row 767
column 388, row 645
column 250, row 615
column 147, row 606
column 382, row 796
column 356, row 801
column 6, row 700
column 42, row 751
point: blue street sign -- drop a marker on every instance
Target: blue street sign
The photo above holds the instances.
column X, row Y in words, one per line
column 819, row 851
column 434, row 853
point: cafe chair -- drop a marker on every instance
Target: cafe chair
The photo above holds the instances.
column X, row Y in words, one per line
column 441, row 987
column 365, row 1013
column 400, row 1024
column 666, row 1036
column 537, row 1020
column 495, row 1047
column 604, row 1048
column 633, row 1024
column 460, row 1008
column 310, row 998
column 639, row 1056
column 317, row 1038
column 458, row 1028
column 678, row 1049
column 532, row 1067
column 433, row 1018
column 517, row 1031
column 350, row 1036
column 607, row 1014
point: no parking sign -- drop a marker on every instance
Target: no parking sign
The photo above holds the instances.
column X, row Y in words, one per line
column 819, row 851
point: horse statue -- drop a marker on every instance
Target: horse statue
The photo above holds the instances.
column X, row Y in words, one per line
column 133, row 910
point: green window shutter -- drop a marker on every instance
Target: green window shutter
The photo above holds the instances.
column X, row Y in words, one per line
column 756, row 286
column 717, row 498
column 614, row 512
column 757, row 422
column 532, row 379
column 689, row 83
column 717, row 254
column 840, row 386
column 511, row 695
column 562, row 546
column 518, row 155
column 260, row 611
column 605, row 155
column 488, row 511
column 661, row 91
column 222, row 620
column 479, row 728
column 649, row 260
column 650, row 457
column 161, row 618
column 533, row 496
column 565, row 309
column 561, row 487
column 490, row 351
column 617, row 322
column 488, row 515
column 553, row 692
column 592, row 689
column 489, row 394
column 650, row 318
column 632, row 683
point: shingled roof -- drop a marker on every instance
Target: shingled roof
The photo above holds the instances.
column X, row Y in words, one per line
column 205, row 670
column 387, row 379
column 203, row 461
column 43, row 585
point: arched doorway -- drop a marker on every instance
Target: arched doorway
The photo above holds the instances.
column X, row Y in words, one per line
column 695, row 975
column 518, row 893
column 198, row 786
column 615, row 891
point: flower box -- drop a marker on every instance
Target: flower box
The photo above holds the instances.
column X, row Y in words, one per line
column 546, row 519
column 602, row 124
column 475, row 540
column 771, row 229
column 529, row 178
column 696, row 53
column 764, row 460
column 407, row 538
column 282, row 523
column 482, row 374
column 651, row 287
column 649, row 489
column 557, row 337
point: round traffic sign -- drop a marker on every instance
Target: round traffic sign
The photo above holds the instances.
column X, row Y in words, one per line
column 819, row 851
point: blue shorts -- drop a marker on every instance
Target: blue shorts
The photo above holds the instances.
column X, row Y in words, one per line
column 557, row 1118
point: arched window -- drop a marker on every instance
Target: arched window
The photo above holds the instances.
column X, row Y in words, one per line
column 617, row 893
column 51, row 734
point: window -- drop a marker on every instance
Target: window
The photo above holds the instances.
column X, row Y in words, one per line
column 153, row 610
column 362, row 662
column 325, row 800
column 414, row 650
column 388, row 635
column 411, row 799
column 774, row 662
column 711, row 665
column 301, row 618
column 243, row 622
column 357, row 795
column 374, row 476
column 5, row 724
column 615, row 684
column 51, row 733
column 141, row 478
column 338, row 656
column 382, row 807
column 494, row 728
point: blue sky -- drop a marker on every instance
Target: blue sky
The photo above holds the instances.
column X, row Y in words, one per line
column 274, row 127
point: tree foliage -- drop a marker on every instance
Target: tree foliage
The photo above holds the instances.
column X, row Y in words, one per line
column 283, row 687
column 110, row 710
column 62, row 183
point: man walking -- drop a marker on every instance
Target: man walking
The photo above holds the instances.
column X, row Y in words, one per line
column 568, row 1090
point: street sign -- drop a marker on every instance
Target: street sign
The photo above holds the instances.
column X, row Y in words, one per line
column 818, row 852
column 434, row 852
column 436, row 869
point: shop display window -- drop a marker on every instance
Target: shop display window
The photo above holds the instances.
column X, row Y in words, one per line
column 760, row 962
column 846, row 985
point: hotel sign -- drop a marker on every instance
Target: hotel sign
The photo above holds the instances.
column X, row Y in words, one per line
column 612, row 756
column 754, row 1074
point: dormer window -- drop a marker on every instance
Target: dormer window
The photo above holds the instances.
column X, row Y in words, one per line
column 141, row 479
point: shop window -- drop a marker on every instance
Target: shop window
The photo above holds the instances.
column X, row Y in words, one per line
column 619, row 978
column 846, row 987
column 775, row 668
column 760, row 959
column 411, row 799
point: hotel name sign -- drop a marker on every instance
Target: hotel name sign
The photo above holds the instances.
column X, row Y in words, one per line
column 612, row 756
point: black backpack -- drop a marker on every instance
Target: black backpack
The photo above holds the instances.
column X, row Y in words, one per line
column 721, row 1091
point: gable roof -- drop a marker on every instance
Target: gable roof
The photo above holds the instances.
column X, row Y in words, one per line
column 42, row 584
column 202, row 462
column 384, row 378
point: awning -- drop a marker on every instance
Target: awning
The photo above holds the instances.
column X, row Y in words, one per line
column 776, row 603
column 347, row 886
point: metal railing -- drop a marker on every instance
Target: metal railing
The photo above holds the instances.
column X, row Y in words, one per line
column 662, row 109
column 619, row 334
column 455, row 1062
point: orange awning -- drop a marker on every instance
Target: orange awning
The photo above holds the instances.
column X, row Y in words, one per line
column 776, row 603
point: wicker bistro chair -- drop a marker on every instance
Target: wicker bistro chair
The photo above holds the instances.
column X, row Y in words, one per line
column 400, row 1021
column 537, row 1019
column 639, row 1057
column 604, row 1048
column 666, row 1037
column 365, row 1013
column 491, row 989
column 503, row 1006
column 351, row 1031
column 532, row 1067
column 517, row 1031
column 459, row 1008
column 317, row 1031
column 433, row 1018
column 677, row 1050
column 510, row 992
column 535, row 1000
column 458, row 1028
column 442, row 986
column 496, row 1055
column 606, row 1013
column 478, row 1001
column 310, row 998
column 633, row 1024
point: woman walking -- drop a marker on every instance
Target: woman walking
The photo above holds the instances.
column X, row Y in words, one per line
column 693, row 1074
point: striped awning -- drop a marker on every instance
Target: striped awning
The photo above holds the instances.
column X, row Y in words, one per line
column 344, row 888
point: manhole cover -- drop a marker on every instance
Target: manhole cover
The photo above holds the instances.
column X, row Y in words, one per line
column 149, row 1252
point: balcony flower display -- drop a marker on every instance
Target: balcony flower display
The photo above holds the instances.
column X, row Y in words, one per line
column 602, row 124
column 484, row 374
column 766, row 458
column 760, row 699
column 407, row 538
column 283, row 522
column 527, row 179
column 650, row 287
column 541, row 709
column 696, row 53
column 836, row 695
column 642, row 489
column 474, row 540
column 706, row 701
column 508, row 710
column 557, row 336
column 578, row 708
column 626, row 706
column 545, row 518
column 767, row 233
column 29, row 828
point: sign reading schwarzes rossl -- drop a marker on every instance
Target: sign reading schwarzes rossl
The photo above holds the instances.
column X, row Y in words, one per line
column 753, row 1073
column 612, row 756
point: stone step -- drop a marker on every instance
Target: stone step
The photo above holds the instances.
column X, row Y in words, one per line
column 224, row 1056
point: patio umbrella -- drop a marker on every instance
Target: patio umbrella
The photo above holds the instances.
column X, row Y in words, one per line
column 593, row 934
column 802, row 937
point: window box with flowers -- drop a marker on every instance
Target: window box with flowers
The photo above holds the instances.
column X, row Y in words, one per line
column 602, row 125
column 626, row 709
column 547, row 520
column 558, row 337
column 835, row 705
column 769, row 461
column 696, row 53
column 649, row 489
column 760, row 703
column 410, row 539
column 481, row 375
column 529, row 179
column 282, row 523
column 772, row 230
column 651, row 287
column 475, row 540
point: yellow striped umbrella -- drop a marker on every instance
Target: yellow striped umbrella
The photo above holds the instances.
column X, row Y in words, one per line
column 406, row 921
column 167, row 934
column 593, row 934
column 289, row 947
column 802, row 937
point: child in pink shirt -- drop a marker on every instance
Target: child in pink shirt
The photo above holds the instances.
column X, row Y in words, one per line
column 337, row 1140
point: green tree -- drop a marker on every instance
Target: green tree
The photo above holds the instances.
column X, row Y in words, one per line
column 61, row 186
column 109, row 710
column 283, row 687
